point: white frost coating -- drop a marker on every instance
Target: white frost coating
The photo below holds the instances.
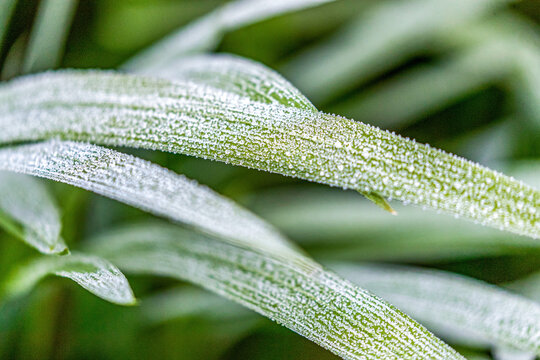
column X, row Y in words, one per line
column 95, row 274
column 453, row 305
column 326, row 309
column 27, row 201
column 205, row 33
column 236, row 75
column 146, row 186
column 198, row 119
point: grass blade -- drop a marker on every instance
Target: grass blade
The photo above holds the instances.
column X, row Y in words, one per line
column 197, row 119
column 426, row 89
column 192, row 302
column 383, row 37
column 333, row 224
column 454, row 304
column 319, row 305
column 7, row 7
column 49, row 34
column 146, row 186
column 29, row 213
column 205, row 33
column 96, row 275
column 238, row 76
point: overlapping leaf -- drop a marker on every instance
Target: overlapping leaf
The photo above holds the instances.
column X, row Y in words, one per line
column 307, row 299
column 147, row 186
column 461, row 308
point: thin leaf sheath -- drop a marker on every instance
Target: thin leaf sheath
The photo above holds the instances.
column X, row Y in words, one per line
column 196, row 119
column 312, row 302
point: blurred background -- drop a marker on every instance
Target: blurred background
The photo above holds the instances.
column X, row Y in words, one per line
column 461, row 75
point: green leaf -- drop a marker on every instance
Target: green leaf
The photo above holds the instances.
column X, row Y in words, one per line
column 49, row 35
column 188, row 302
column 205, row 33
column 28, row 212
column 146, row 186
column 307, row 299
column 238, row 76
column 198, row 119
column 95, row 274
column 334, row 224
column 7, row 7
column 381, row 38
column 459, row 307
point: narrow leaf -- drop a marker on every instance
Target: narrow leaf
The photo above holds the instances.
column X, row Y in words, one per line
column 318, row 305
column 454, row 304
column 49, row 34
column 192, row 302
column 96, row 275
column 384, row 36
column 7, row 7
column 205, row 33
column 198, row 119
column 333, row 224
column 29, row 212
column 147, row 186
column 236, row 75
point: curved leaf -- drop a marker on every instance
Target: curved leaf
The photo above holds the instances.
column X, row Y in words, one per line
column 25, row 201
column 197, row 119
column 96, row 275
column 205, row 33
column 317, row 304
column 455, row 305
column 147, row 186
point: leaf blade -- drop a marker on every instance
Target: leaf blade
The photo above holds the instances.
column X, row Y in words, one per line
column 195, row 119
column 27, row 202
column 310, row 301
column 94, row 274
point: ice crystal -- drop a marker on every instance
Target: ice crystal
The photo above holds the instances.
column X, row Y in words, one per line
column 95, row 274
column 310, row 301
column 26, row 201
column 197, row 117
column 147, row 186
column 456, row 306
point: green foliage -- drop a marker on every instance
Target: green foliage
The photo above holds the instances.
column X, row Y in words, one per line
column 460, row 75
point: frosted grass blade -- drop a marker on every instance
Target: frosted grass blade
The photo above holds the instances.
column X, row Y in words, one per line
column 205, row 33
column 30, row 212
column 146, row 186
column 49, row 34
column 95, row 274
column 452, row 304
column 318, row 305
column 238, row 76
column 198, row 119
column 382, row 37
